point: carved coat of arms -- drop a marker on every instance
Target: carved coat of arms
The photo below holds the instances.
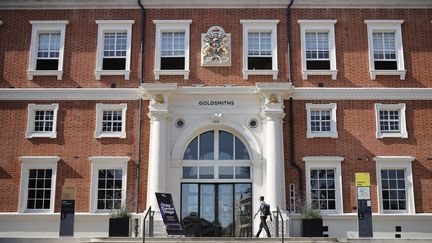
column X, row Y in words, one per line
column 216, row 47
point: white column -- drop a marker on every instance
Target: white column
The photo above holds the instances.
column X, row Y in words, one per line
column 275, row 175
column 157, row 157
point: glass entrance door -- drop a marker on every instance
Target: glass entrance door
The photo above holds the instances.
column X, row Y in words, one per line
column 213, row 210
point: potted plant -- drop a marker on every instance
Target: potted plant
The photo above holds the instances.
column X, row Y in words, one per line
column 119, row 222
column 312, row 223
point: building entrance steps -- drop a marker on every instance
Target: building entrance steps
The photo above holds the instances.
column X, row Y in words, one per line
column 210, row 240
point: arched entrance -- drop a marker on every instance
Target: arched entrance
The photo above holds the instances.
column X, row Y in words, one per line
column 216, row 188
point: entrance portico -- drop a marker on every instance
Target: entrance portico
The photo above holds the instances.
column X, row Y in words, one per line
column 250, row 115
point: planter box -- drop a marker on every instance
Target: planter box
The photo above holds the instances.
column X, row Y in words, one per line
column 312, row 227
column 118, row 227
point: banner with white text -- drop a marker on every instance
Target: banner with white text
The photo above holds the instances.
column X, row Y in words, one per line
column 168, row 213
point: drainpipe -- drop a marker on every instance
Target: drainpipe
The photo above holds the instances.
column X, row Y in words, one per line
column 138, row 166
column 291, row 111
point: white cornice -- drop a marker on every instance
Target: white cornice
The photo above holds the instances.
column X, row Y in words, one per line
column 132, row 4
column 321, row 159
column 70, row 94
column 284, row 89
column 316, row 21
column 115, row 21
column 229, row 90
column 362, row 94
column 384, row 159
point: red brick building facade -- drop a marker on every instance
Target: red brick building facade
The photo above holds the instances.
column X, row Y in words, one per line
column 357, row 76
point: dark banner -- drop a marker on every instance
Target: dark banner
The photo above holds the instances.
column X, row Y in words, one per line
column 67, row 218
column 169, row 215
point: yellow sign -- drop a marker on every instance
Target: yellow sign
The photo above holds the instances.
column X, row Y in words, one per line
column 68, row 193
column 362, row 179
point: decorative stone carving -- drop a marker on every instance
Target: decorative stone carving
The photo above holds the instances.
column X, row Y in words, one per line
column 159, row 99
column 216, row 47
column 216, row 117
column 273, row 99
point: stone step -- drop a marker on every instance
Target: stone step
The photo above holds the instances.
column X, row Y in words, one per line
column 208, row 240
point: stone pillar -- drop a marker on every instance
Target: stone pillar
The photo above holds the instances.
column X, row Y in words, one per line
column 159, row 150
column 275, row 174
column 272, row 96
column 157, row 156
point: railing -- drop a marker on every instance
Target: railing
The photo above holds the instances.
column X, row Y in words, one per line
column 279, row 214
column 151, row 218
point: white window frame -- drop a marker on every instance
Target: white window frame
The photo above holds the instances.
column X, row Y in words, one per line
column 260, row 26
column 333, row 133
column 393, row 26
column 113, row 26
column 32, row 108
column 42, row 27
column 326, row 162
column 321, row 25
column 109, row 163
column 402, row 120
column 100, row 108
column 396, row 162
column 216, row 163
column 171, row 26
column 37, row 162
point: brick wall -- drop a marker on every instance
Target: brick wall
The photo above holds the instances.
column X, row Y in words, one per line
column 352, row 55
column 74, row 144
column 356, row 139
column 351, row 46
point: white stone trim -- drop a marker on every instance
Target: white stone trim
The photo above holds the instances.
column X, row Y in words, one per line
column 303, row 93
column 260, row 25
column 207, row 4
column 402, row 120
column 37, row 162
column 100, row 108
column 386, row 26
column 41, row 27
column 321, row 25
column 166, row 26
column 396, row 162
column 326, row 162
column 32, row 108
column 333, row 124
column 109, row 26
column 106, row 162
column 309, row 93
column 70, row 94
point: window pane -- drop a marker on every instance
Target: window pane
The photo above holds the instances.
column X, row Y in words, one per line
column 241, row 152
column 323, row 188
column 190, row 172
column 393, row 189
column 242, row 172
column 206, row 172
column 39, row 189
column 206, row 146
column 226, row 143
column 109, row 192
column 191, row 152
column 226, row 172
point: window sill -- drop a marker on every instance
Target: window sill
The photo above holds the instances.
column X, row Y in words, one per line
column 111, row 135
column 42, row 135
column 100, row 73
column 158, row 73
column 246, row 73
column 392, row 135
column 322, row 135
column 375, row 73
column 306, row 73
column 57, row 73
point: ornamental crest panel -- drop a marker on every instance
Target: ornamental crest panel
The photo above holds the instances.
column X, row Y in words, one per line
column 216, row 47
